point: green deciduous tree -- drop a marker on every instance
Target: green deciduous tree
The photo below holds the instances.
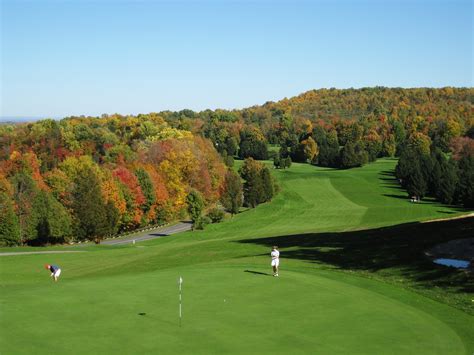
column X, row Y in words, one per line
column 353, row 155
column 306, row 151
column 253, row 144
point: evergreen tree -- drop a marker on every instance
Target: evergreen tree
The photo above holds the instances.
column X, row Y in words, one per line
column 426, row 163
column 253, row 189
column 231, row 196
column 268, row 185
column 89, row 207
column 259, row 185
column 448, row 182
column 195, row 204
column 229, row 161
column 435, row 178
column 306, row 151
column 53, row 222
column 466, row 181
column 9, row 225
column 232, row 146
column 277, row 161
column 361, row 153
column 416, row 183
column 113, row 219
column 404, row 166
column 253, row 144
column 25, row 191
column 349, row 157
column 147, row 189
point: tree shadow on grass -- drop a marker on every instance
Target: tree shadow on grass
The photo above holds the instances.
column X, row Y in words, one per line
column 391, row 251
column 401, row 197
column 389, row 180
column 388, row 173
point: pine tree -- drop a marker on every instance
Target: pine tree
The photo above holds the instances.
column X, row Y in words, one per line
column 349, row 158
column 416, row 184
column 250, row 172
column 53, row 222
column 277, row 161
column 89, row 206
column 268, row 189
column 448, row 182
column 9, row 225
column 113, row 218
column 231, row 196
column 147, row 189
column 25, row 190
column 195, row 206
column 466, row 181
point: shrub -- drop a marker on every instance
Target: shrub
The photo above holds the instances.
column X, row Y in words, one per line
column 202, row 222
column 216, row 215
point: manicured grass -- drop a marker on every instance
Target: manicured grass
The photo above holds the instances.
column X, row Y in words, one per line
column 340, row 291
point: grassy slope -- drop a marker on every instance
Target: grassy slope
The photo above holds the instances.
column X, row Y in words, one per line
column 95, row 308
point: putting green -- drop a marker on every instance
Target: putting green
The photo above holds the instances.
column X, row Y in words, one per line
column 226, row 309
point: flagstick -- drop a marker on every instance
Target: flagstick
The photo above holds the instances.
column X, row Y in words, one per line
column 180, row 300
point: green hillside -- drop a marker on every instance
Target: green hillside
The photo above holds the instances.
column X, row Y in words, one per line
column 354, row 279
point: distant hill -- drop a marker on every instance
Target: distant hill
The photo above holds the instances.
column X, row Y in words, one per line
column 20, row 119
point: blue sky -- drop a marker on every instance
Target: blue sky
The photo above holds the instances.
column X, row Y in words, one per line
column 61, row 58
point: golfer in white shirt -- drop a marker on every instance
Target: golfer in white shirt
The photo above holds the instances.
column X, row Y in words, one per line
column 275, row 254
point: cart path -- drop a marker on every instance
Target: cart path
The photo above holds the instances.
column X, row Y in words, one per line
column 138, row 237
column 155, row 233
column 41, row 252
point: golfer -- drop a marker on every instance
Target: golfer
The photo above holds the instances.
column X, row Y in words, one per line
column 55, row 271
column 275, row 254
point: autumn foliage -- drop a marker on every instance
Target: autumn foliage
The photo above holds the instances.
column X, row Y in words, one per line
column 139, row 171
column 143, row 167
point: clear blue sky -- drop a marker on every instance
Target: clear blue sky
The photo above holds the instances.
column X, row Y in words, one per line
column 69, row 57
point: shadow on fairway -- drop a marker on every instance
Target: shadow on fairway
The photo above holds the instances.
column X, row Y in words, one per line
column 389, row 180
column 257, row 273
column 401, row 197
column 391, row 251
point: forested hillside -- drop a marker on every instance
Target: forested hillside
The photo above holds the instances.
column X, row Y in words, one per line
column 90, row 177
column 93, row 177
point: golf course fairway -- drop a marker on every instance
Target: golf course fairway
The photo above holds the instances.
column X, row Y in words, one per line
column 335, row 295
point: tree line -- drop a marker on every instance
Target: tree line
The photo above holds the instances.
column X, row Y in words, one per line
column 337, row 128
column 89, row 178
column 140, row 170
column 447, row 177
